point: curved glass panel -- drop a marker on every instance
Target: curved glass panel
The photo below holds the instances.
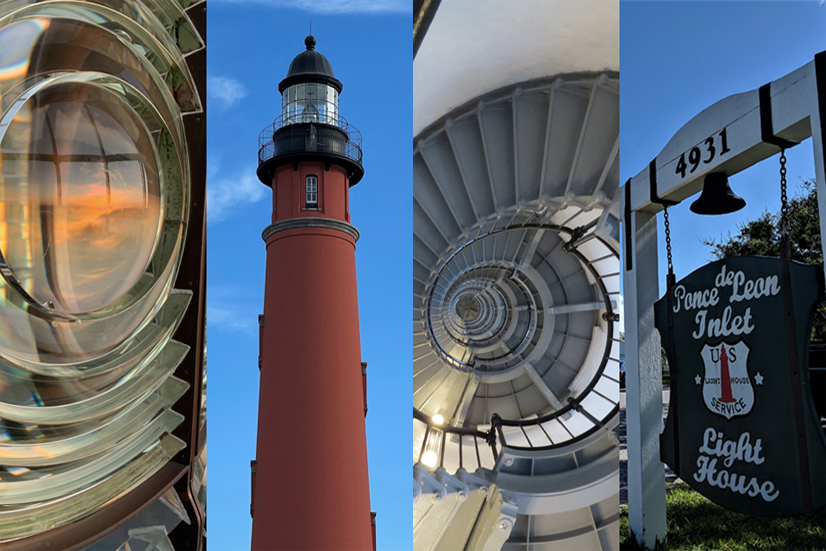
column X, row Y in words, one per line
column 134, row 386
column 29, row 519
column 27, row 445
column 42, row 483
column 142, row 347
column 88, row 181
column 94, row 206
column 140, row 28
column 93, row 192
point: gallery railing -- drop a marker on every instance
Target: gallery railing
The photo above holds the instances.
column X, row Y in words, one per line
column 292, row 134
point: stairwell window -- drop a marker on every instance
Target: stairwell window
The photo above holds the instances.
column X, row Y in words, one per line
column 311, row 200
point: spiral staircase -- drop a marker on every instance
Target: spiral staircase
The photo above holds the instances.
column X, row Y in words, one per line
column 516, row 328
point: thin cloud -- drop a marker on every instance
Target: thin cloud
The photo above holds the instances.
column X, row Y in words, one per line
column 225, row 91
column 228, row 320
column 335, row 6
column 229, row 310
column 225, row 193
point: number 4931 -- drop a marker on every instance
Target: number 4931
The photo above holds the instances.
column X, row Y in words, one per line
column 696, row 154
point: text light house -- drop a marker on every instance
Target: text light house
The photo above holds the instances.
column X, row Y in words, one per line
column 310, row 483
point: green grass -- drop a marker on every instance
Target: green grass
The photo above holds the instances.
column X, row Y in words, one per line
column 695, row 523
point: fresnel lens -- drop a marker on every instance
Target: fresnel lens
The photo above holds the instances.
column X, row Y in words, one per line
column 101, row 195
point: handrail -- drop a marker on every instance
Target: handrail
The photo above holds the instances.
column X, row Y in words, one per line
column 497, row 423
column 609, row 318
column 495, row 437
column 533, row 431
column 349, row 146
column 316, row 118
column 488, row 438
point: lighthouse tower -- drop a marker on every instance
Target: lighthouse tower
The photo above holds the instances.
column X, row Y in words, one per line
column 309, row 480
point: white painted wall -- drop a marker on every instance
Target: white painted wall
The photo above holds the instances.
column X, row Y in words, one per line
column 477, row 46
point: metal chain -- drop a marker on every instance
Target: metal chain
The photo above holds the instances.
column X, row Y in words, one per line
column 784, row 206
column 668, row 240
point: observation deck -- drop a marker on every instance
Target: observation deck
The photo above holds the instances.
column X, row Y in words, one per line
column 324, row 137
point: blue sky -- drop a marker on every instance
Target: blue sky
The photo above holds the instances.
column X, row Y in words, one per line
column 676, row 59
column 250, row 48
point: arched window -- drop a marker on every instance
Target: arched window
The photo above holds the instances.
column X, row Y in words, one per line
column 311, row 200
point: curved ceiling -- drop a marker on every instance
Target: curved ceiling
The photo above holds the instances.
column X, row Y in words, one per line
column 459, row 61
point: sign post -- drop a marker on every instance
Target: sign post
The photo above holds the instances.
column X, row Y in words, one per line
column 727, row 137
column 643, row 384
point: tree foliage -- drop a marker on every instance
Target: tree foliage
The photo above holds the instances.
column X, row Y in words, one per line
column 761, row 237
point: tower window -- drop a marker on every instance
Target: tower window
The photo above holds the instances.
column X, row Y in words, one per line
column 312, row 192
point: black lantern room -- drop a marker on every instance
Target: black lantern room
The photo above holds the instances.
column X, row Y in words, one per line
column 310, row 127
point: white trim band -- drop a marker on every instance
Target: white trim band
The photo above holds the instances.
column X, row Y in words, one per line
column 313, row 222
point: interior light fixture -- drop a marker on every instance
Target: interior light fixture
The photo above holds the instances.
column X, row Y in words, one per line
column 429, row 458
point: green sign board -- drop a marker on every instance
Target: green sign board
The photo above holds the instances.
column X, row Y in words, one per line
column 742, row 427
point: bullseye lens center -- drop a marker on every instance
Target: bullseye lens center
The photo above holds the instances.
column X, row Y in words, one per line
column 80, row 202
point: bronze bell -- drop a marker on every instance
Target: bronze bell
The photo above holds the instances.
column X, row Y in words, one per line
column 717, row 197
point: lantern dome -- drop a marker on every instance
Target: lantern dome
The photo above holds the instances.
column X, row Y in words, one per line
column 310, row 66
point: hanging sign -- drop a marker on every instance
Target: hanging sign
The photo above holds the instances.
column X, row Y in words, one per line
column 735, row 432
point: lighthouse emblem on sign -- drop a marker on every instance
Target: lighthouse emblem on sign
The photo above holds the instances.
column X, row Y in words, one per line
column 727, row 389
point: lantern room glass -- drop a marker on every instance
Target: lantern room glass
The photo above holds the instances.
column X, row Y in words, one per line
column 310, row 102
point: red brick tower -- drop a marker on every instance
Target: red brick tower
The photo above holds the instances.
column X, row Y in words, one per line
column 310, row 483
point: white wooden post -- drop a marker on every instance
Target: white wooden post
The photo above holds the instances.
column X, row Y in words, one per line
column 818, row 136
column 643, row 385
